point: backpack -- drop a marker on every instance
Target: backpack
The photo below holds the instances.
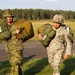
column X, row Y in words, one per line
column 48, row 33
column 26, row 28
column 70, row 32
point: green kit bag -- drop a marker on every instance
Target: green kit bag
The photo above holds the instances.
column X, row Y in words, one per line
column 48, row 34
column 26, row 28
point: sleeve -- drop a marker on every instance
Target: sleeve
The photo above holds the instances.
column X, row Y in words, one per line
column 69, row 44
column 13, row 29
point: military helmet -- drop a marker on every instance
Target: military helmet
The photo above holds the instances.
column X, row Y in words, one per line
column 58, row 18
column 8, row 13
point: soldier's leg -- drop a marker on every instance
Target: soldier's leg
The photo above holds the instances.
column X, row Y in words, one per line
column 50, row 56
column 57, row 62
column 16, row 70
column 15, row 62
column 9, row 58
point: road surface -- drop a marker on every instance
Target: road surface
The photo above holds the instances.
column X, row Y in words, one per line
column 31, row 50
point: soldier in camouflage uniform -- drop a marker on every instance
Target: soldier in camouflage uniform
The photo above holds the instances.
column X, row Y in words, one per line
column 14, row 45
column 56, row 48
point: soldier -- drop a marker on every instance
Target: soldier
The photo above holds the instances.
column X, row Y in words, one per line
column 14, row 45
column 57, row 46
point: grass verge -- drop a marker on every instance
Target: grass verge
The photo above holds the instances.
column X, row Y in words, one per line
column 40, row 66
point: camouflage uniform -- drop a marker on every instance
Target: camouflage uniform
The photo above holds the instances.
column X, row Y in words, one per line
column 14, row 49
column 56, row 48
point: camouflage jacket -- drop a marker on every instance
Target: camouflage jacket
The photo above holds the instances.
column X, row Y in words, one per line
column 13, row 44
column 60, row 40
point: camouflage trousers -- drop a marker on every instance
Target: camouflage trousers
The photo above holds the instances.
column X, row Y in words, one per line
column 15, row 59
column 54, row 58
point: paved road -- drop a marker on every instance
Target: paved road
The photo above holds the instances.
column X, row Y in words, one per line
column 31, row 50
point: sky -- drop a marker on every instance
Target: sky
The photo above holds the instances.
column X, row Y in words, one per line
column 38, row 4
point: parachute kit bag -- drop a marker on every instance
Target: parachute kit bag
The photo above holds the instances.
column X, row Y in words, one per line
column 26, row 28
column 42, row 28
column 48, row 33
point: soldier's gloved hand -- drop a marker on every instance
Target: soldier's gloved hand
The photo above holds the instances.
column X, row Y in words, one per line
column 65, row 56
column 40, row 36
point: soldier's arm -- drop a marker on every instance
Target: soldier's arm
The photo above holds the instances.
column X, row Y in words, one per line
column 14, row 30
column 69, row 45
